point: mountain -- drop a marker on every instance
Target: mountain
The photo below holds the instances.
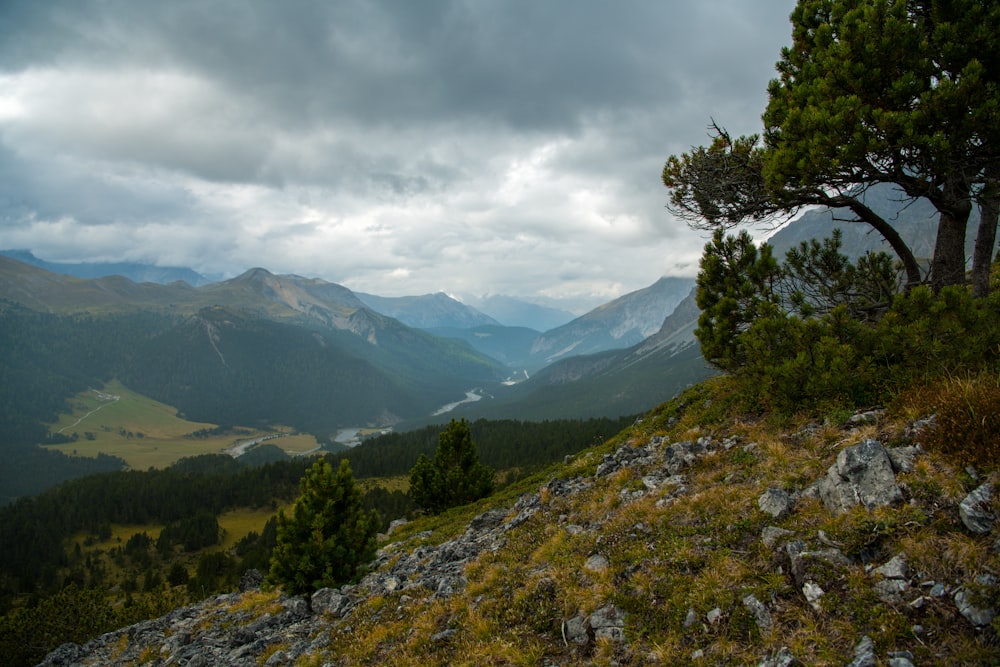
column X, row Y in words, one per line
column 621, row 323
column 610, row 383
column 916, row 221
column 429, row 311
column 513, row 312
column 258, row 347
column 140, row 273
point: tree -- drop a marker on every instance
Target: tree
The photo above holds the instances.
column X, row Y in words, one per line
column 871, row 91
column 455, row 476
column 329, row 538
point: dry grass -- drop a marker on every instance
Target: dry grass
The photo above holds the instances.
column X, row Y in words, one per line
column 700, row 552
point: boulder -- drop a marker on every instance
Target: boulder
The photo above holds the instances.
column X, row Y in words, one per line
column 976, row 511
column 775, row 502
column 862, row 475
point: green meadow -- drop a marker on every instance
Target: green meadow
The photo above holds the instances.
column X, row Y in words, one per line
column 146, row 433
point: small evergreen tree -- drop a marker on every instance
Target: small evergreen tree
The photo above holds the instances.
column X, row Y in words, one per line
column 329, row 538
column 455, row 476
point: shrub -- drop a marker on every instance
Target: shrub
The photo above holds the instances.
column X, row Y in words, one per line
column 329, row 538
column 967, row 426
column 455, row 476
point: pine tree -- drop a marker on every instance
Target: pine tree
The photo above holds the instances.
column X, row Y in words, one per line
column 455, row 476
column 329, row 538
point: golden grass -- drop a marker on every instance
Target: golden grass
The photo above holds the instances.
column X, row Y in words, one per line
column 115, row 425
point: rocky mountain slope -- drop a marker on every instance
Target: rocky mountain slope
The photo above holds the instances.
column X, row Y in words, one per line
column 690, row 538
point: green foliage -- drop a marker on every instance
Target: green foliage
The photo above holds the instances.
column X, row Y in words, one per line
column 819, row 332
column 329, row 538
column 455, row 476
column 737, row 285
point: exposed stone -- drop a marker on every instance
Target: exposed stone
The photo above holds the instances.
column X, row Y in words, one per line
column 760, row 613
column 771, row 535
column 968, row 603
column 813, row 593
column 862, row 475
column 975, row 510
column 864, row 654
column 596, row 563
column 904, row 458
column 608, row 623
column 775, row 502
column 691, row 618
column 251, row 580
column 900, row 659
column 443, row 636
column 782, row 658
column 577, row 630
column 865, row 418
column 894, row 568
column 713, row 616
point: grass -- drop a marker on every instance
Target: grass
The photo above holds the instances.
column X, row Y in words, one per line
column 146, row 433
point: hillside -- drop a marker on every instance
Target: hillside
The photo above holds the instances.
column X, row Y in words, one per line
column 694, row 537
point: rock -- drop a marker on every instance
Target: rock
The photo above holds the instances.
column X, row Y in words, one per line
column 783, row 658
column 760, row 613
column 900, row 659
column 862, row 475
column 251, row 580
column 864, row 654
column 975, row 510
column 577, row 631
column 713, row 616
column 813, row 593
column 894, row 568
column 690, row 619
column 903, row 458
column 596, row 563
column 443, row 636
column 771, row 535
column 608, row 623
column 865, row 418
column 968, row 606
column 775, row 502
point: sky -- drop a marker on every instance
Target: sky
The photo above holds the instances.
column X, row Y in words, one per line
column 477, row 147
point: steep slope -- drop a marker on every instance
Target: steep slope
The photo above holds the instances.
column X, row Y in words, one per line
column 618, row 324
column 513, row 312
column 430, row 311
column 690, row 538
column 610, row 383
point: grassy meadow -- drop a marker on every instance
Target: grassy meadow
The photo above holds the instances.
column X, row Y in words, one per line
column 146, row 433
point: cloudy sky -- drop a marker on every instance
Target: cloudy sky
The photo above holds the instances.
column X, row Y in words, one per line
column 396, row 147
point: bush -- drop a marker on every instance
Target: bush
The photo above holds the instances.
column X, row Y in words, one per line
column 455, row 476
column 329, row 538
column 967, row 426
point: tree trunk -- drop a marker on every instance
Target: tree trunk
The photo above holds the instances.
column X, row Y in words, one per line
column 982, row 258
column 948, row 264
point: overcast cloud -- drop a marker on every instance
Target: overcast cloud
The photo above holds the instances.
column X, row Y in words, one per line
column 395, row 147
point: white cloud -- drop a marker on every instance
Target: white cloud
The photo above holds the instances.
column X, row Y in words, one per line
column 467, row 147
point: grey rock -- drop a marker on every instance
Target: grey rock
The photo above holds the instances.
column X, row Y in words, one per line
column 975, row 510
column 891, row 591
column 608, row 623
column 251, row 580
column 771, row 535
column 443, row 636
column 864, row 654
column 713, row 616
column 775, row 502
column 596, row 563
column 862, row 475
column 691, row 618
column 577, row 630
column 782, row 658
column 967, row 605
column 900, row 659
column 894, row 568
column 760, row 613
column 813, row 592
column 904, row 458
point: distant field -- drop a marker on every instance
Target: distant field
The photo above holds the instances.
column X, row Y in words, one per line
column 146, row 433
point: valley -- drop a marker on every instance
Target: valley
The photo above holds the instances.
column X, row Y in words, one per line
column 146, row 433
